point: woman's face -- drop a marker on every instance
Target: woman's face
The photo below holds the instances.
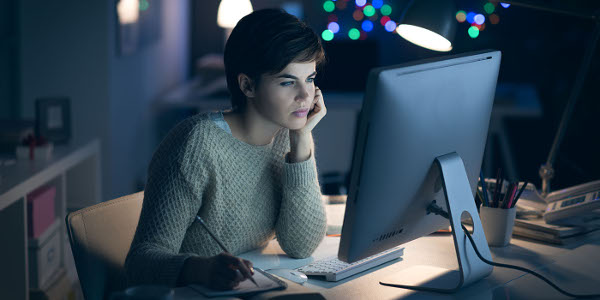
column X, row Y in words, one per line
column 279, row 97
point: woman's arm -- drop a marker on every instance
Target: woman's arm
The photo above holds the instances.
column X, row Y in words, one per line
column 171, row 201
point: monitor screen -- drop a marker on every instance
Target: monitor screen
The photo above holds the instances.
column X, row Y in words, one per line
column 411, row 114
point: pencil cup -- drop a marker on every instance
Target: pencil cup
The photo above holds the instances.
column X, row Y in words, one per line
column 497, row 224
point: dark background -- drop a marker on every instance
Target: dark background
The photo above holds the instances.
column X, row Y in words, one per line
column 65, row 48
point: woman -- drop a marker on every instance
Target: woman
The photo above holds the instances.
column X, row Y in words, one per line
column 249, row 173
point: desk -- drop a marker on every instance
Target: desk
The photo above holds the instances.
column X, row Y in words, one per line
column 574, row 268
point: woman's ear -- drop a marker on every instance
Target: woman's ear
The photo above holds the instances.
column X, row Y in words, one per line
column 246, row 85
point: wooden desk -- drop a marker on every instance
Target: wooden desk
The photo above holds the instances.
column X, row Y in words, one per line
column 574, row 268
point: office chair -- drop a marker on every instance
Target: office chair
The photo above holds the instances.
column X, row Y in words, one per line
column 100, row 238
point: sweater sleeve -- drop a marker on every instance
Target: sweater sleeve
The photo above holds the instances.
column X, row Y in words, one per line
column 301, row 224
column 171, row 201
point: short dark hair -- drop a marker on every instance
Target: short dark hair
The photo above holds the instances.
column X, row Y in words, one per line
column 265, row 42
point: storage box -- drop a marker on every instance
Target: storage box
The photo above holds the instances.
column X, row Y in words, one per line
column 40, row 210
column 44, row 256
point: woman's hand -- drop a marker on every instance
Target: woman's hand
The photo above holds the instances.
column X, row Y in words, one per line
column 220, row 272
column 301, row 139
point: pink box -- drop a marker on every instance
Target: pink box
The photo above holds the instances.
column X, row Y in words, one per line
column 40, row 210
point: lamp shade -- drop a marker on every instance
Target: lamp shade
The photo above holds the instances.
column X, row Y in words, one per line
column 231, row 11
column 429, row 24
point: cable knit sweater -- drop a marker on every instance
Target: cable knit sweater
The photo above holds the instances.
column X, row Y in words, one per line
column 246, row 194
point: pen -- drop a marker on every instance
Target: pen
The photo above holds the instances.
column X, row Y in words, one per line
column 218, row 242
column 484, row 189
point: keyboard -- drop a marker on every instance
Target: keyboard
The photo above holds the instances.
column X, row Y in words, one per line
column 334, row 269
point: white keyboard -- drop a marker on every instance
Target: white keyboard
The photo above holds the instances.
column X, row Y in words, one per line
column 334, row 269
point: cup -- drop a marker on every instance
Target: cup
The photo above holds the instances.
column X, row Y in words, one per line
column 145, row 292
column 497, row 224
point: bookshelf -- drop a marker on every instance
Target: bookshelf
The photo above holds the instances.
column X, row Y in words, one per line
column 75, row 172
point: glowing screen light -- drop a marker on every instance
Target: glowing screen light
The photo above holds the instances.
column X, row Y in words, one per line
column 334, row 27
column 367, row 25
column 327, row 35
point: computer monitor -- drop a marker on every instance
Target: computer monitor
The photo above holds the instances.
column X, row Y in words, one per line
column 416, row 120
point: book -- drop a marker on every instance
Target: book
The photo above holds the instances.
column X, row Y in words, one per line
column 266, row 282
column 538, row 229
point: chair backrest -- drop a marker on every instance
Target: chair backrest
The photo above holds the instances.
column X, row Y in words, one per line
column 100, row 238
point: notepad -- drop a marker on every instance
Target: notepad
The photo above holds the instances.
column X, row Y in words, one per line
column 266, row 282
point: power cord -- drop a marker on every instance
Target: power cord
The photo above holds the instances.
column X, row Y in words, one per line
column 433, row 208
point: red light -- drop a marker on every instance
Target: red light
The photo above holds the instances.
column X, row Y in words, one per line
column 384, row 20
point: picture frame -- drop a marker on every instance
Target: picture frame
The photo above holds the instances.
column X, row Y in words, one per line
column 53, row 119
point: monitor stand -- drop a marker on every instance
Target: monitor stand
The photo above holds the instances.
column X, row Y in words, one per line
column 459, row 199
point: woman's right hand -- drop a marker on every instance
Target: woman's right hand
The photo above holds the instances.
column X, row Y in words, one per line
column 221, row 272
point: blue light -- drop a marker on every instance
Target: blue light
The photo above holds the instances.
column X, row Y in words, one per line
column 334, row 27
column 471, row 17
column 390, row 26
column 377, row 3
column 361, row 3
column 479, row 19
column 367, row 25
column 505, row 5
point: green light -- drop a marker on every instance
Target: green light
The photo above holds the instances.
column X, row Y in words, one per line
column 386, row 10
column 473, row 32
column 327, row 35
column 489, row 8
column 354, row 34
column 328, row 6
column 369, row 11
column 144, row 5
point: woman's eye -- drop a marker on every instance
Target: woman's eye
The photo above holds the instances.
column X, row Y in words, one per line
column 310, row 80
column 286, row 83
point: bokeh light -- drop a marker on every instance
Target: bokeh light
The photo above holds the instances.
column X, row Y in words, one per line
column 367, row 25
column 461, row 16
column 327, row 35
column 377, row 3
column 390, row 26
column 354, row 33
column 473, row 32
column 363, row 36
column 479, row 19
column 386, row 10
column 360, row 3
column 341, row 5
column 329, row 6
column 144, row 4
column 494, row 19
column 384, row 20
column 332, row 18
column 505, row 5
column 471, row 17
column 489, row 8
column 369, row 11
column 358, row 15
column 334, row 27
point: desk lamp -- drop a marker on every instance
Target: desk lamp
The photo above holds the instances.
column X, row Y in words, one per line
column 230, row 12
column 429, row 24
column 546, row 171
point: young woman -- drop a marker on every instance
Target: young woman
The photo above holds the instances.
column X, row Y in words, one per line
column 249, row 173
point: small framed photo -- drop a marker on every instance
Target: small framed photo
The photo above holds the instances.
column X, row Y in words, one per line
column 53, row 119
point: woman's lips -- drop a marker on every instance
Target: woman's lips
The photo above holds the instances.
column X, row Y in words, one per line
column 300, row 113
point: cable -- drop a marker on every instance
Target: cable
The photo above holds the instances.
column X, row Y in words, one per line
column 434, row 208
column 524, row 270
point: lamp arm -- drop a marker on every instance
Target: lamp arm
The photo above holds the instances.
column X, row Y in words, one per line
column 546, row 171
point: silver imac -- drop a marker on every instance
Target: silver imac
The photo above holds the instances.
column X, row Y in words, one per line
column 421, row 138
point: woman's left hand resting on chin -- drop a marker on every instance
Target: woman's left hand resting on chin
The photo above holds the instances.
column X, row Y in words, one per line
column 301, row 144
